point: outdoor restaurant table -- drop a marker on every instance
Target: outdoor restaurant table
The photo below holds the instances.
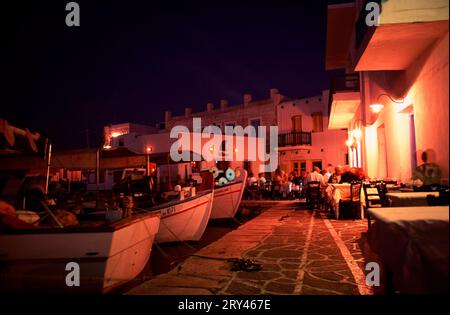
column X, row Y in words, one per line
column 337, row 192
column 405, row 199
column 412, row 243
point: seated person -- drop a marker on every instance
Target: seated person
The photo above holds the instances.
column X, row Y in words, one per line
column 349, row 175
column 335, row 178
column 315, row 176
column 251, row 180
column 427, row 173
column 262, row 180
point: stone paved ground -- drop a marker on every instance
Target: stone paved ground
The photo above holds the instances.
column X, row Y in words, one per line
column 302, row 252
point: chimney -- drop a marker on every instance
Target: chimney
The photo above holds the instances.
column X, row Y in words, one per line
column 273, row 92
column 209, row 107
column 247, row 99
column 168, row 116
column 188, row 111
column 277, row 99
column 223, row 105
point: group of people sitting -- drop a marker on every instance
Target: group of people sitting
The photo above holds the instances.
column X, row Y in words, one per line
column 341, row 174
column 294, row 184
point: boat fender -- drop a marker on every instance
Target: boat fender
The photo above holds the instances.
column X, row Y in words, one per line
column 215, row 171
column 223, row 181
column 230, row 174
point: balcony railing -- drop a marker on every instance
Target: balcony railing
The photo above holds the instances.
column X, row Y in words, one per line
column 294, row 138
column 348, row 82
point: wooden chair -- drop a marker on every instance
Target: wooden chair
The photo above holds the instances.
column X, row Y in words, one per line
column 354, row 202
column 313, row 195
column 372, row 198
column 441, row 200
column 382, row 191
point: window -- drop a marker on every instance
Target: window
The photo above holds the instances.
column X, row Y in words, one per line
column 256, row 122
column 247, row 166
column 297, row 123
column 317, row 122
column 295, row 167
column 303, row 166
column 229, row 124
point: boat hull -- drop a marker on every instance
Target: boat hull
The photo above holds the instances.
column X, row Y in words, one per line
column 37, row 261
column 185, row 220
column 227, row 200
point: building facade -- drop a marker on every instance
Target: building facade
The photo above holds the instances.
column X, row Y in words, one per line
column 394, row 98
column 304, row 138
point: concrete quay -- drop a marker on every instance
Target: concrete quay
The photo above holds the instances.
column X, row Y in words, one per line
column 301, row 252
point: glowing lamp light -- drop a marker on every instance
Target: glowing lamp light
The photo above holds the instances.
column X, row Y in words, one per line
column 357, row 134
column 149, row 149
column 211, row 149
column 376, row 108
column 116, row 134
column 349, row 142
column 235, row 150
column 107, row 146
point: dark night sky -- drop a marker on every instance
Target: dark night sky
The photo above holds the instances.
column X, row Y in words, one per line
column 129, row 61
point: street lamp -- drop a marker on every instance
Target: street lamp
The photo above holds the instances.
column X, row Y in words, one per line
column 378, row 107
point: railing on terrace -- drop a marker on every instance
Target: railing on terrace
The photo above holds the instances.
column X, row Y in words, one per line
column 294, row 138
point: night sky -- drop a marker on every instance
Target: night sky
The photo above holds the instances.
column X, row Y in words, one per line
column 129, row 61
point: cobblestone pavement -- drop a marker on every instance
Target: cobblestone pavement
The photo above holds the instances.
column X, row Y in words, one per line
column 302, row 252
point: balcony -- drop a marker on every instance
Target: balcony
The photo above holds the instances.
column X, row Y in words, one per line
column 406, row 29
column 294, row 138
column 344, row 100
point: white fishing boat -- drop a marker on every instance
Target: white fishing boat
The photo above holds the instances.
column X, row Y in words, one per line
column 108, row 255
column 228, row 197
column 184, row 220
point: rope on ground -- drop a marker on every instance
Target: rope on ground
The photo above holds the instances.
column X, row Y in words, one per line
column 237, row 264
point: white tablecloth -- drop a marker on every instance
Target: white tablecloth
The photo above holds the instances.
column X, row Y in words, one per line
column 412, row 243
column 413, row 199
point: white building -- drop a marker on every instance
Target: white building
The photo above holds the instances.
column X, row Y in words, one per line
column 304, row 138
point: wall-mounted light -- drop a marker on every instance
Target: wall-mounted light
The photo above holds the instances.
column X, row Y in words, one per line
column 378, row 107
column 116, row 134
column 107, row 146
column 357, row 134
column 349, row 142
column 149, row 149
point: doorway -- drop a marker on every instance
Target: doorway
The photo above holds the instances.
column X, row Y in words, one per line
column 317, row 163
